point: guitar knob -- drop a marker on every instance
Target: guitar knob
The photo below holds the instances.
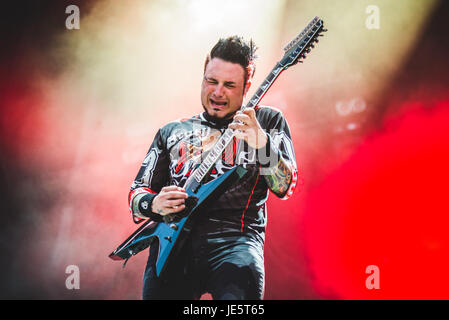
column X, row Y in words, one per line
column 168, row 238
column 174, row 226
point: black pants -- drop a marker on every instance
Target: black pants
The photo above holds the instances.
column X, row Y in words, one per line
column 229, row 268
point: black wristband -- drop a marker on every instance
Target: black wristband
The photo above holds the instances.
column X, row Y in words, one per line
column 144, row 207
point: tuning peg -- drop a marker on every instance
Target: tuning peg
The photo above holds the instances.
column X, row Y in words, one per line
column 324, row 30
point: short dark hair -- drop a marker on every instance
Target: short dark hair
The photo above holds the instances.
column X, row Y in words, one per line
column 236, row 50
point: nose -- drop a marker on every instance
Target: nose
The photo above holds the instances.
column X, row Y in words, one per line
column 219, row 91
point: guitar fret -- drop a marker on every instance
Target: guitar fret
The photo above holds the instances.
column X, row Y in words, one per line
column 208, row 162
column 197, row 178
column 216, row 155
column 264, row 87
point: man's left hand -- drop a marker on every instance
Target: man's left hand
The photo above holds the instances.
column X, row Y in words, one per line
column 248, row 128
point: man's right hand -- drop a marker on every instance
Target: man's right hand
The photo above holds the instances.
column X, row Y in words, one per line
column 171, row 199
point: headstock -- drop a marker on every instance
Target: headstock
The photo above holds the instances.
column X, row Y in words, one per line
column 303, row 43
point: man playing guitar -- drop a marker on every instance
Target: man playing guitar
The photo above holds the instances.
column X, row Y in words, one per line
column 224, row 251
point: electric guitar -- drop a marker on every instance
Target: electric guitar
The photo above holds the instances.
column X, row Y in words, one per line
column 170, row 234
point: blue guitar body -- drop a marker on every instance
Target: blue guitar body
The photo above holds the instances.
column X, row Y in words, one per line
column 170, row 235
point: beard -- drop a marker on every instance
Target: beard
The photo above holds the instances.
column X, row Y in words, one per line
column 226, row 119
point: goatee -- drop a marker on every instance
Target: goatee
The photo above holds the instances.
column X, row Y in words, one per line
column 220, row 121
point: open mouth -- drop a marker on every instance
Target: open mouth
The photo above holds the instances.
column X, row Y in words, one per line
column 217, row 104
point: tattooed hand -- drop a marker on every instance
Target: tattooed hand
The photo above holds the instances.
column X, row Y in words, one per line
column 169, row 200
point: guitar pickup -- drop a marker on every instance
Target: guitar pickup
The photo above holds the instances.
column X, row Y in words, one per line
column 190, row 203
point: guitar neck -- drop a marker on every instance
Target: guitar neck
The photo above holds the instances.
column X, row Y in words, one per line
column 215, row 153
column 263, row 88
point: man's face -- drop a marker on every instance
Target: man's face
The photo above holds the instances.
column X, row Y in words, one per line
column 222, row 88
